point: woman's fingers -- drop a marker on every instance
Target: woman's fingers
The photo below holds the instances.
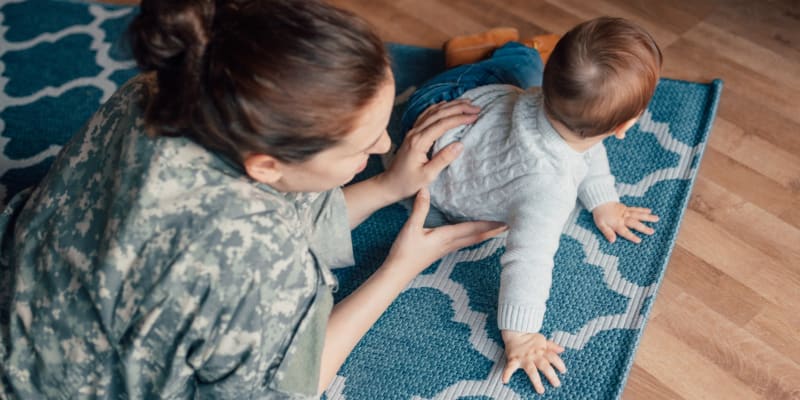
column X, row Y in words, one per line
column 425, row 114
column 422, row 204
column 447, row 110
column 423, row 140
column 468, row 233
column 424, row 119
column 442, row 159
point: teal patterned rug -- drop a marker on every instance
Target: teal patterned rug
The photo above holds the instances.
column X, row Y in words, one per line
column 60, row 60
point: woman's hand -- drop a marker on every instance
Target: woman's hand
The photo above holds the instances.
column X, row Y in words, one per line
column 534, row 354
column 411, row 169
column 615, row 218
column 417, row 247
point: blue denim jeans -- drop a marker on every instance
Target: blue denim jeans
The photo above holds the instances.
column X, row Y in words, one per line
column 513, row 64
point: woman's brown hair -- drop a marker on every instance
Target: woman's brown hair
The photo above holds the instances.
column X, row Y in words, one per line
column 286, row 78
column 601, row 74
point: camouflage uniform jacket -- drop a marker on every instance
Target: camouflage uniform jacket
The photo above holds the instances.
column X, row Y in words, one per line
column 152, row 268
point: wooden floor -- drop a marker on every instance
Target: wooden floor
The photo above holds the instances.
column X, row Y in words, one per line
column 726, row 324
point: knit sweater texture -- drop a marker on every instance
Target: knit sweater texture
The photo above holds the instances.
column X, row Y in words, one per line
column 517, row 169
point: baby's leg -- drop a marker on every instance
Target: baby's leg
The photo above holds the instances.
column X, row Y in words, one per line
column 512, row 64
column 516, row 64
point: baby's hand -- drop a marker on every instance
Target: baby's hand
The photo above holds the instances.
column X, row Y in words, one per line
column 614, row 218
column 533, row 353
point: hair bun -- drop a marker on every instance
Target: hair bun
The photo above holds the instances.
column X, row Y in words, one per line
column 170, row 34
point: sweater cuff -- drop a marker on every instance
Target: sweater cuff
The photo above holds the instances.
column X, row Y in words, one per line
column 520, row 318
column 595, row 195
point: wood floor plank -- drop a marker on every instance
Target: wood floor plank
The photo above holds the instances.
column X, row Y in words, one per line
column 518, row 14
column 779, row 326
column 490, row 15
column 677, row 15
column 587, row 10
column 750, row 185
column 757, row 154
column 680, row 367
column 672, row 15
column 742, row 51
column 743, row 110
column 738, row 259
column 717, row 290
column 765, row 231
column 771, row 23
column 686, row 54
column 734, row 350
column 440, row 14
column 392, row 23
column 644, row 386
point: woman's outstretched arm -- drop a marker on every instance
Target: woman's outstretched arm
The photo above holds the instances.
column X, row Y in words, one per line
column 414, row 250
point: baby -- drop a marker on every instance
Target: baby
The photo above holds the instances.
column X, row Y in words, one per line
column 535, row 148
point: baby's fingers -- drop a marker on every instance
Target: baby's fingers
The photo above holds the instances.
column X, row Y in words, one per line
column 642, row 214
column 557, row 362
column 627, row 234
column 533, row 375
column 548, row 371
column 511, row 367
column 554, row 347
column 608, row 233
column 635, row 224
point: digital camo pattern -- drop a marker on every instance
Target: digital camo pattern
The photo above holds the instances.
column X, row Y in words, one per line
column 159, row 256
column 438, row 340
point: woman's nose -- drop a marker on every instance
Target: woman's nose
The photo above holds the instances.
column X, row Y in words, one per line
column 383, row 145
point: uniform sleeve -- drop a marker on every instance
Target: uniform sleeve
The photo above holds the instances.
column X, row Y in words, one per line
column 598, row 186
column 330, row 237
column 261, row 289
column 538, row 215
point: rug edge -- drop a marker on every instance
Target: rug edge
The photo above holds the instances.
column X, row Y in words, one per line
column 712, row 105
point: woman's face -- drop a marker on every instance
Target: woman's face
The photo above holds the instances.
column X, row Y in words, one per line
column 338, row 165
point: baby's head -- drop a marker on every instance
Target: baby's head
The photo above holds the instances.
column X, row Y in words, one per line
column 600, row 76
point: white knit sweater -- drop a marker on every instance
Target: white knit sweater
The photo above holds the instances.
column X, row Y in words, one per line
column 516, row 168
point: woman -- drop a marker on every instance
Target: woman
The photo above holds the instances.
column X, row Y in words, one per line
column 180, row 245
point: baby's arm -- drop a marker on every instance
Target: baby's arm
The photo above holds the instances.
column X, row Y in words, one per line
column 598, row 195
column 538, row 216
column 598, row 186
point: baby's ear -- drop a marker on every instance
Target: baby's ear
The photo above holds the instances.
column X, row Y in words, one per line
column 619, row 132
column 263, row 168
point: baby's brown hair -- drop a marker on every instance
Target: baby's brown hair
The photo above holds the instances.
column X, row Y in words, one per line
column 601, row 74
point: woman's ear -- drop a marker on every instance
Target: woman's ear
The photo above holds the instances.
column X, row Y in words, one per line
column 263, row 168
